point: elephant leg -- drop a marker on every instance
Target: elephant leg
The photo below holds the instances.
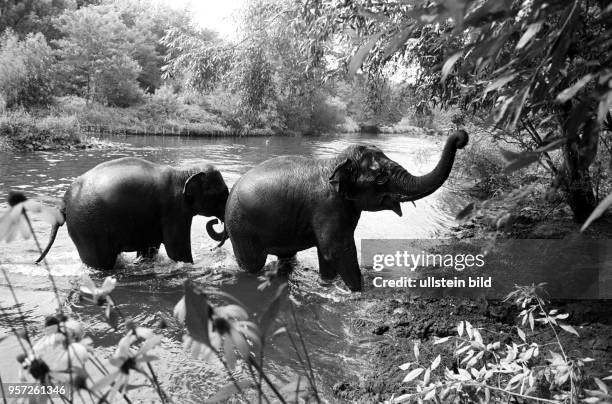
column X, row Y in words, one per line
column 249, row 254
column 338, row 254
column 177, row 239
column 99, row 255
column 327, row 270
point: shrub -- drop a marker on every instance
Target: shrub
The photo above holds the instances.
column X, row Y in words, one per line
column 21, row 130
column 26, row 70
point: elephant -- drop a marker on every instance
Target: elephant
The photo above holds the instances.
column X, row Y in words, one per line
column 291, row 203
column 130, row 204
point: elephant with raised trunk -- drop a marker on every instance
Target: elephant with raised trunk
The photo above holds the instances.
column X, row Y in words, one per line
column 288, row 204
column 130, row 204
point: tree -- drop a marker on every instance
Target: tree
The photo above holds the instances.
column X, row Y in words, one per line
column 96, row 55
column 26, row 70
column 32, row 16
column 539, row 70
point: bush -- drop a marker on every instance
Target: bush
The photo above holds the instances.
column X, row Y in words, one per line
column 22, row 130
column 117, row 85
column 26, row 70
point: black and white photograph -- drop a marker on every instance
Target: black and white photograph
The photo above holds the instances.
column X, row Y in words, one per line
column 305, row 201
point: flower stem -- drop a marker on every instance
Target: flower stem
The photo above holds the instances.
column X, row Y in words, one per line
column 253, row 362
column 45, row 263
column 160, row 391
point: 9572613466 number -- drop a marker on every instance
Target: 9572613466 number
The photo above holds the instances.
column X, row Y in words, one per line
column 25, row 390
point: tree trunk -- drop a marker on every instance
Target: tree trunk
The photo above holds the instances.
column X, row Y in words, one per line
column 578, row 185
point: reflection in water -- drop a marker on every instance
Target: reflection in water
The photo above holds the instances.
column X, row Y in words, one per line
column 149, row 291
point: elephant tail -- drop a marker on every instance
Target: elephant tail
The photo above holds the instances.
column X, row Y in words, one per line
column 54, row 230
column 215, row 235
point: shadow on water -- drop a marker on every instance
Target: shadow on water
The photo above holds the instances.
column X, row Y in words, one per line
column 147, row 292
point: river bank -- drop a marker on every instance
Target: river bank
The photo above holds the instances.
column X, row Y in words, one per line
column 397, row 321
column 72, row 121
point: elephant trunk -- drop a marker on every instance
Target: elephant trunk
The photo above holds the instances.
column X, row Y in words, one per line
column 215, row 235
column 413, row 187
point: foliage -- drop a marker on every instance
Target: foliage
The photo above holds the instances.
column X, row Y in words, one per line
column 198, row 57
column 519, row 368
column 533, row 68
column 32, row 16
column 95, row 56
column 21, row 130
column 26, row 70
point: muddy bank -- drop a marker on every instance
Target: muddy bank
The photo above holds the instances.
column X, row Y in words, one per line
column 395, row 322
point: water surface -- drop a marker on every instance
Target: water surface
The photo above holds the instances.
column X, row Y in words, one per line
column 149, row 291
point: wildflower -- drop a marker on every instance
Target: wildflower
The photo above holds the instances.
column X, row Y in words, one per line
column 14, row 223
column 126, row 359
column 226, row 327
column 97, row 295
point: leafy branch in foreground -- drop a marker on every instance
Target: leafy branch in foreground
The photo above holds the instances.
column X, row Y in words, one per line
column 485, row 371
column 224, row 333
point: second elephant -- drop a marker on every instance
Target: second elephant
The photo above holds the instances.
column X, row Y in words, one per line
column 288, row 204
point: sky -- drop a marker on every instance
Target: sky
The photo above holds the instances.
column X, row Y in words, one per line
column 213, row 14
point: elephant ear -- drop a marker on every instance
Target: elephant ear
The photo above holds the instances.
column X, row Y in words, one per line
column 341, row 177
column 194, row 185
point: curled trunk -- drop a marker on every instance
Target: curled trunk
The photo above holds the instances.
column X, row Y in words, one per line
column 412, row 187
column 215, row 235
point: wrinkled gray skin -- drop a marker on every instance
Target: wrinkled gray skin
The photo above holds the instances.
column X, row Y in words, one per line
column 130, row 204
column 289, row 204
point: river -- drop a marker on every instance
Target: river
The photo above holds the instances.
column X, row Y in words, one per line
column 148, row 291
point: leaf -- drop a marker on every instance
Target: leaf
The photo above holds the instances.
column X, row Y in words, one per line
column 360, row 55
column 569, row 329
column 278, row 332
column 229, row 390
column 602, row 386
column 397, row 41
column 436, row 362
column 427, row 376
column 405, row 366
column 532, row 29
column 268, row 317
column 525, row 160
column 521, row 334
column 509, row 155
column 465, row 212
column 570, row 92
column 460, row 328
column 436, row 342
column 416, row 351
column 413, row 374
column 499, row 83
column 448, row 65
column 196, row 312
column 599, row 210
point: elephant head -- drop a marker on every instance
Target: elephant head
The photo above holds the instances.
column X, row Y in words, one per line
column 206, row 192
column 374, row 182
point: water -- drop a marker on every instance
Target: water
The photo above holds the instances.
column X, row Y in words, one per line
column 149, row 291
